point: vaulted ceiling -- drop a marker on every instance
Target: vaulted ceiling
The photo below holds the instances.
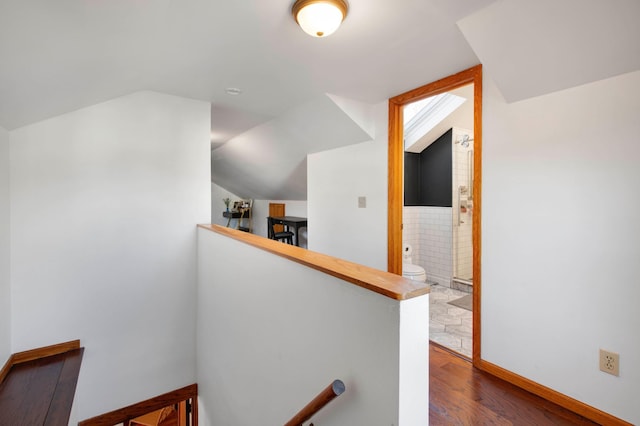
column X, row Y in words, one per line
column 58, row 56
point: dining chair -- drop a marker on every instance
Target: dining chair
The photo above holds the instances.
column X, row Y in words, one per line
column 282, row 236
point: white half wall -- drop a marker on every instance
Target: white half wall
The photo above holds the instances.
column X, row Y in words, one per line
column 336, row 179
column 104, row 203
column 560, row 239
column 273, row 335
column 5, row 256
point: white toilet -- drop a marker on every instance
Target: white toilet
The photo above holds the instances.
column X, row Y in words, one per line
column 409, row 270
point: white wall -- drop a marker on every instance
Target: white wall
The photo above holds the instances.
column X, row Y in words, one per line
column 104, row 203
column 560, row 230
column 266, row 348
column 5, row 287
column 336, row 179
column 560, row 234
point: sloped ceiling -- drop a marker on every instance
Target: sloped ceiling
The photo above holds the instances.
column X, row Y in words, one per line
column 59, row 56
column 531, row 48
column 269, row 161
column 462, row 117
column 227, row 122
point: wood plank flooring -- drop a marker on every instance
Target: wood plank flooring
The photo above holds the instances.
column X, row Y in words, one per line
column 461, row 395
column 40, row 392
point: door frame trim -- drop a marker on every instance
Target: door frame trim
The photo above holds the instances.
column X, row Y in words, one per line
column 396, row 177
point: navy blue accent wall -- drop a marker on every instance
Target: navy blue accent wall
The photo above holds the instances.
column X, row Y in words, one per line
column 411, row 179
column 429, row 182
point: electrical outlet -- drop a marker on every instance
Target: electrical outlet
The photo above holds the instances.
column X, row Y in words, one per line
column 609, row 362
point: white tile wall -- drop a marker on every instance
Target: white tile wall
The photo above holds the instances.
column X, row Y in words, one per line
column 429, row 231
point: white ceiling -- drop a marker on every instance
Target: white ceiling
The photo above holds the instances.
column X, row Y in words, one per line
column 269, row 160
column 531, row 48
column 59, row 56
column 62, row 55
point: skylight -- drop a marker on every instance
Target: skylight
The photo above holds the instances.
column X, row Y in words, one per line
column 422, row 116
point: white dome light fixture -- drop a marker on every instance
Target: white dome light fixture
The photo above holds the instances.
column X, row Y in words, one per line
column 319, row 18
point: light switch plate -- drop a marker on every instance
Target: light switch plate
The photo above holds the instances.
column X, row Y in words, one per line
column 362, row 202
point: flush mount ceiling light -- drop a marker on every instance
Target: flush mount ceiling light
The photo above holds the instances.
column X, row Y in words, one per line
column 319, row 18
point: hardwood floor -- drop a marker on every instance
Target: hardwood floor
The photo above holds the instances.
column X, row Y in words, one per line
column 458, row 395
column 461, row 395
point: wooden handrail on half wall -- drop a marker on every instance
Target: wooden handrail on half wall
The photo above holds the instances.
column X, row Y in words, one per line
column 385, row 283
column 336, row 388
column 270, row 313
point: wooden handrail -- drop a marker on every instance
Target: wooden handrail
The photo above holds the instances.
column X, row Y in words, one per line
column 326, row 396
column 381, row 282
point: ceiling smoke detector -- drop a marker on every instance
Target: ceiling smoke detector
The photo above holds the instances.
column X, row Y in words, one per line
column 233, row 91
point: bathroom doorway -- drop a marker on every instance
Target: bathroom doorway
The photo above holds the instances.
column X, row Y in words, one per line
column 438, row 207
column 458, row 200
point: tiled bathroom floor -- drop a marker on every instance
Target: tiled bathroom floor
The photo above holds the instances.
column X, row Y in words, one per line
column 449, row 325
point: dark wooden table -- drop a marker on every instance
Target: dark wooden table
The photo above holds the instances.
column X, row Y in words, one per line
column 289, row 221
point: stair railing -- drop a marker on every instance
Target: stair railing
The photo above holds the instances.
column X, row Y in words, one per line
column 323, row 398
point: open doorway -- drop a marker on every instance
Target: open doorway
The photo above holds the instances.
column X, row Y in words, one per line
column 464, row 194
column 438, row 210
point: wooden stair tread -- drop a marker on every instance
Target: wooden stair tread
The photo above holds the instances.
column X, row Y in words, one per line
column 40, row 391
